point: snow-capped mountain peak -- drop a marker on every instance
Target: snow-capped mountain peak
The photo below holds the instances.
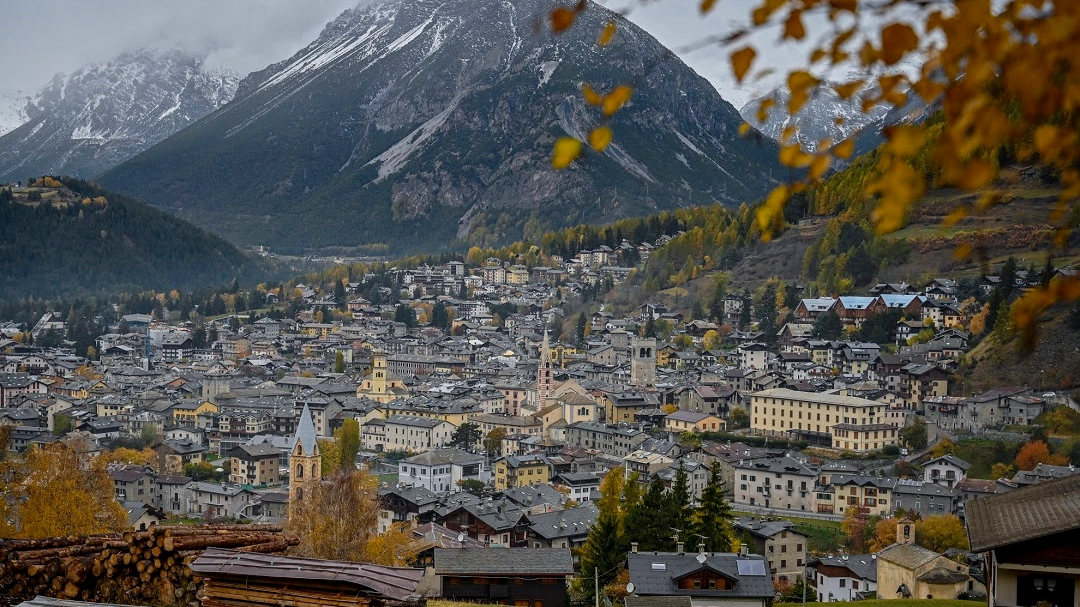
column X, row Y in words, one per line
column 13, row 110
column 89, row 120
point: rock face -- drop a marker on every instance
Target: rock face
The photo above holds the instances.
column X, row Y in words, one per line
column 89, row 121
column 426, row 124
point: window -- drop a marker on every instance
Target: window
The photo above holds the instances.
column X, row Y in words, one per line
column 843, row 583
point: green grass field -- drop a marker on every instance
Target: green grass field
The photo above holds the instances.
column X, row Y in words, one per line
column 823, row 536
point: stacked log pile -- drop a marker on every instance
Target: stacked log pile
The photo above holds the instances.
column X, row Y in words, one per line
column 134, row 568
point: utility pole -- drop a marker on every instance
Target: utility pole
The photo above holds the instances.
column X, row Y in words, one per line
column 596, row 585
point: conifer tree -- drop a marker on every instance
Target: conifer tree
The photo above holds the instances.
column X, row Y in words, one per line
column 678, row 511
column 712, row 520
column 644, row 524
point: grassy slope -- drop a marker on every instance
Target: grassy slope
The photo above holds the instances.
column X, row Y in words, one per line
column 1053, row 365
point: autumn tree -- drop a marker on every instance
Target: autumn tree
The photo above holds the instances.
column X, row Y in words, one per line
column 884, row 534
column 856, row 528
column 939, row 533
column 493, row 441
column 604, row 551
column 1003, row 73
column 64, row 493
column 124, row 455
column 1001, row 470
column 339, row 521
column 1037, row 452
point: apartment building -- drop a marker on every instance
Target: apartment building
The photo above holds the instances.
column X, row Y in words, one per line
column 842, row 422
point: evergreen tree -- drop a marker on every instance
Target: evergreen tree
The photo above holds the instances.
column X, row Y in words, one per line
column 1047, row 273
column 1008, row 275
column 198, row 337
column 677, row 509
column 339, row 362
column 439, row 316
column 744, row 314
column 650, row 328
column 712, row 520
column 696, row 313
column 582, row 328
column 645, row 526
column 828, row 326
column 339, row 294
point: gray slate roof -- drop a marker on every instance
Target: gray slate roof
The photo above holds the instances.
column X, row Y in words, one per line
column 397, row 583
column 507, row 561
column 862, row 565
column 656, row 574
column 1025, row 514
column 305, row 433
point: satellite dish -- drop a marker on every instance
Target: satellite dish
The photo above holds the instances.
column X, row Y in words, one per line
column 461, row 538
column 630, row 587
column 701, row 558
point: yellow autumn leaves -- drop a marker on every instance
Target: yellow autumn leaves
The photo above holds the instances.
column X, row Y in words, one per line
column 568, row 149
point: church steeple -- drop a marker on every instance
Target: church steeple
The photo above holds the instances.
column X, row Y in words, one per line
column 305, row 461
column 545, row 375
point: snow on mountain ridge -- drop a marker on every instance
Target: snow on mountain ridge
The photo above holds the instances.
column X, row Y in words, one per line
column 13, row 110
column 93, row 118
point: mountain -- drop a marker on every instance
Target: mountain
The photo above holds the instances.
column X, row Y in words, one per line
column 428, row 124
column 826, row 116
column 13, row 110
column 99, row 116
column 69, row 237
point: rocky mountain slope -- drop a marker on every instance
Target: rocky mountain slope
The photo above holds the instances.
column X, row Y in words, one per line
column 426, row 124
column 99, row 116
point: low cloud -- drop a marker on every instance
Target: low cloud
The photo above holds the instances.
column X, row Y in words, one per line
column 45, row 37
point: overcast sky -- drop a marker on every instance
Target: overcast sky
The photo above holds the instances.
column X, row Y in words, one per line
column 43, row 37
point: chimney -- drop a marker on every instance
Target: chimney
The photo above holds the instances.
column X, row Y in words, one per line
column 679, row 546
column 701, row 547
column 744, row 550
column 633, row 547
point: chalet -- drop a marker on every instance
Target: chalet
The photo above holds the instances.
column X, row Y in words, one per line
column 561, row 528
column 400, row 504
column 854, row 310
column 811, row 309
column 532, row 578
column 783, row 546
column 1031, row 542
column 710, row 579
column 850, row 577
column 497, row 524
column 947, row 470
column 13, row 384
column 690, row 421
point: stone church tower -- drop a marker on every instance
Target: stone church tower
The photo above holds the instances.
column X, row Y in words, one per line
column 305, row 462
column 905, row 531
column 643, row 362
column 545, row 376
